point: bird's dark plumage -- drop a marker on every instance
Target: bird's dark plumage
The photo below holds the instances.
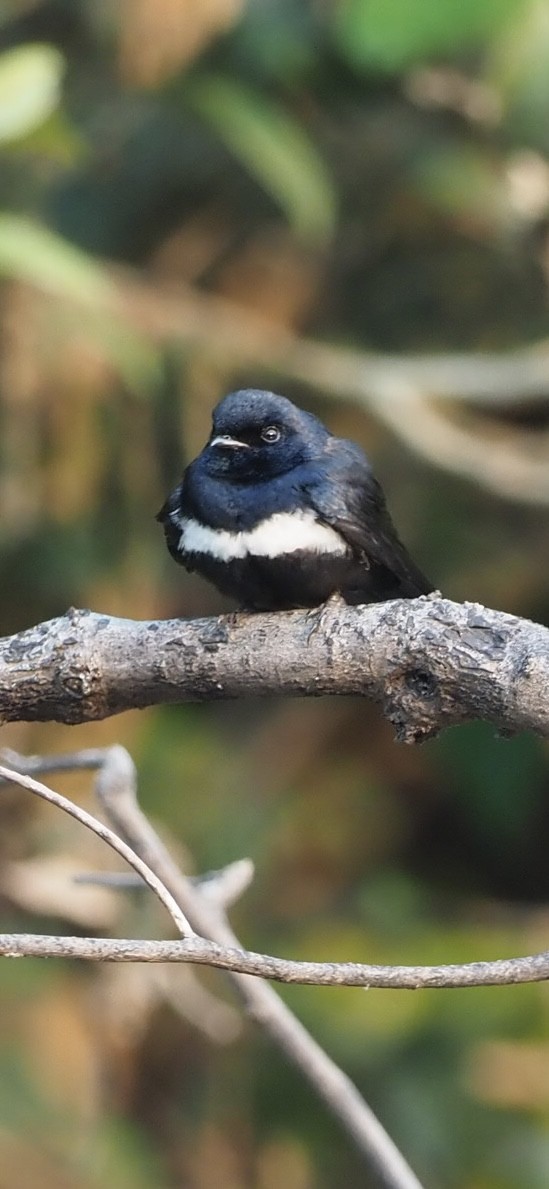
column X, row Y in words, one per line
column 279, row 513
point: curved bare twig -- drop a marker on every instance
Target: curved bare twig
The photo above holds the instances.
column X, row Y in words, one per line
column 502, row 972
column 106, row 835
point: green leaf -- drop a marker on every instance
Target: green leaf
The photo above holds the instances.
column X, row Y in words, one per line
column 57, row 140
column 274, row 149
column 32, row 253
column 391, row 34
column 30, row 88
column 517, row 67
column 29, row 252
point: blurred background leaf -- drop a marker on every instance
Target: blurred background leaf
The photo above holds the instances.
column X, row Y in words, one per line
column 392, row 34
column 30, row 88
column 31, row 253
column 275, row 149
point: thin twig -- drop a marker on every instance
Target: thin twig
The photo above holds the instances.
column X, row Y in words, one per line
column 224, row 886
column 503, row 972
column 108, row 836
column 88, row 759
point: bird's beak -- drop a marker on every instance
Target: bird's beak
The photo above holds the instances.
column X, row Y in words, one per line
column 228, row 443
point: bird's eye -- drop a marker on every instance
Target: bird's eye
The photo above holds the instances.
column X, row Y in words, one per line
column 270, row 434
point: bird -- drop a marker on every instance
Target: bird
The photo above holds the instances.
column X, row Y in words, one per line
column 279, row 513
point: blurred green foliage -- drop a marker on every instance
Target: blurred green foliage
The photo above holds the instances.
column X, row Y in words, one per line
column 391, row 35
column 367, row 173
column 274, row 148
column 30, row 89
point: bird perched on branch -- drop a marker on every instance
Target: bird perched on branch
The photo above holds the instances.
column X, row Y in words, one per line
column 279, row 513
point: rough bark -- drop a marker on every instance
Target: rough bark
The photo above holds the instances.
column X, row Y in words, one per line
column 428, row 662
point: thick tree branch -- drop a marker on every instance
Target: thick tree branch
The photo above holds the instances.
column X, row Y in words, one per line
column 428, row 662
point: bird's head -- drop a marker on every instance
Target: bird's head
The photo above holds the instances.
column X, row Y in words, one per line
column 258, row 434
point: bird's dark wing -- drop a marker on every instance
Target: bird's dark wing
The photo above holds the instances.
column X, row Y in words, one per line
column 347, row 496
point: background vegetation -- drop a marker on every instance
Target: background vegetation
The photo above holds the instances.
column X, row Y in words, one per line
column 372, row 174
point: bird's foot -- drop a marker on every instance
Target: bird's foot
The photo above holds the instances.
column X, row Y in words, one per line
column 319, row 618
column 233, row 618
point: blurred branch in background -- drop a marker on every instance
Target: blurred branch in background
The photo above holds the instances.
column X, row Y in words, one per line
column 402, row 391
column 116, row 787
column 204, row 905
column 428, row 401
